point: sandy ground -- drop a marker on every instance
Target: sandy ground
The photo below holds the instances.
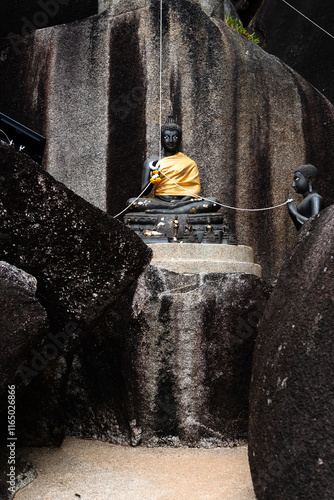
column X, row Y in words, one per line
column 92, row 470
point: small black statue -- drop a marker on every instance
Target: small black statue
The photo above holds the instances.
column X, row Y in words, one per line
column 169, row 176
column 312, row 202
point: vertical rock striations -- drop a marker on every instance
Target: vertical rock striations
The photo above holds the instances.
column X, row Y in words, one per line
column 291, row 433
column 176, row 371
column 248, row 119
column 83, row 260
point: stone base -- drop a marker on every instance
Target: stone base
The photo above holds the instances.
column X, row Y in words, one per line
column 208, row 228
column 194, row 258
column 171, row 365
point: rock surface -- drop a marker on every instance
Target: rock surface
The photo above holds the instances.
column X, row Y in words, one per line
column 82, row 258
column 92, row 88
column 23, row 325
column 291, row 433
column 24, row 472
column 174, row 372
column 296, row 41
column 83, row 261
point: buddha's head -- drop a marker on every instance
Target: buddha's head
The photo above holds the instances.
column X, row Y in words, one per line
column 171, row 134
column 303, row 178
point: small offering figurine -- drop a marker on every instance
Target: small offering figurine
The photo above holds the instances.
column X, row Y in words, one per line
column 312, row 202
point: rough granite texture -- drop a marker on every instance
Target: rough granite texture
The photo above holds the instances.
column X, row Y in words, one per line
column 23, row 324
column 288, row 35
column 213, row 8
column 92, row 87
column 83, row 260
column 173, row 369
column 291, row 433
column 194, row 258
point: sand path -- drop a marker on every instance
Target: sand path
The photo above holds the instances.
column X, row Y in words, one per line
column 93, row 470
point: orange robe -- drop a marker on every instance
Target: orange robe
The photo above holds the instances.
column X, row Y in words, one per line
column 183, row 171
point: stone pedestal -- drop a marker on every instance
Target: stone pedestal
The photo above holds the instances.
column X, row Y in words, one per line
column 194, row 258
column 172, row 365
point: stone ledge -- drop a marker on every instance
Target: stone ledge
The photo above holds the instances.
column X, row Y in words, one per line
column 210, row 258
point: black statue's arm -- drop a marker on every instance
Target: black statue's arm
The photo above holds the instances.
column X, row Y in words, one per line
column 146, row 175
column 293, row 212
column 316, row 204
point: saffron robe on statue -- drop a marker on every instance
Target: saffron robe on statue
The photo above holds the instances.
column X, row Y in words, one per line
column 183, row 171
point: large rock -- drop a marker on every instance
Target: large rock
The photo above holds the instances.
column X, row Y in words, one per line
column 299, row 43
column 174, row 367
column 214, row 8
column 83, row 260
column 24, row 474
column 23, row 326
column 92, row 88
column 291, row 433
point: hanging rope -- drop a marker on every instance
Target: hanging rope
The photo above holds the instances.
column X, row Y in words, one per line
column 227, row 206
column 160, row 93
column 10, row 142
column 134, row 201
column 160, row 148
column 315, row 24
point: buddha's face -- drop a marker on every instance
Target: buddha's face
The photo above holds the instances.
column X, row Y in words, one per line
column 171, row 141
column 300, row 184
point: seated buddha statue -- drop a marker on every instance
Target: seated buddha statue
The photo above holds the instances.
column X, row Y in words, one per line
column 174, row 180
column 312, row 202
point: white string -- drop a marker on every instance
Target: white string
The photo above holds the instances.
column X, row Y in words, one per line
column 227, row 206
column 208, row 199
column 160, row 145
column 315, row 24
column 160, row 148
column 134, row 201
column 10, row 142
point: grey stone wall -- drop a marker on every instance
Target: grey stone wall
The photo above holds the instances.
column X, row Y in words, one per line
column 171, row 366
column 92, row 88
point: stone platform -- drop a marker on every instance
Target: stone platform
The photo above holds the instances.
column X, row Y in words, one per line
column 194, row 258
column 211, row 228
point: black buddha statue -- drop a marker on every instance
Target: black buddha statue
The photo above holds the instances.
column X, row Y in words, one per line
column 173, row 211
column 312, row 202
column 175, row 179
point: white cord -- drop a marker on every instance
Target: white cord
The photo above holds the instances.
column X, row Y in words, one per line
column 207, row 199
column 160, row 145
column 134, row 201
column 10, row 142
column 160, row 148
column 227, row 206
column 315, row 24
